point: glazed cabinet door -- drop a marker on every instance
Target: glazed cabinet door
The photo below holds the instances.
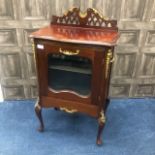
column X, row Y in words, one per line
column 69, row 71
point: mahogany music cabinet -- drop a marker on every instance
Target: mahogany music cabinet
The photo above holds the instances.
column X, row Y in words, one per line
column 73, row 60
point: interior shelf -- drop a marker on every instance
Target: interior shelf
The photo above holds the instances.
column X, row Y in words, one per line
column 71, row 69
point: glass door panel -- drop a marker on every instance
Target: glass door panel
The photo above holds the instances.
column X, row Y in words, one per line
column 69, row 73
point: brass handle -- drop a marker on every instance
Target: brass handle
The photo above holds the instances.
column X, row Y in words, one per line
column 66, row 52
column 67, row 110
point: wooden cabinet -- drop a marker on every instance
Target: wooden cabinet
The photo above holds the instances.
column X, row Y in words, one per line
column 73, row 59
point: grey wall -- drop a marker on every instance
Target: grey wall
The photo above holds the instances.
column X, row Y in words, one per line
column 133, row 74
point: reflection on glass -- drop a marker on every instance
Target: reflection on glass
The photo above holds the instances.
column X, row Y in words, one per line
column 71, row 73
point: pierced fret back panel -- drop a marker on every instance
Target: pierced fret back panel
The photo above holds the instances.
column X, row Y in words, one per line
column 90, row 18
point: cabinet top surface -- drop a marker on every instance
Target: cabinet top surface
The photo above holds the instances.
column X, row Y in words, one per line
column 83, row 28
column 77, row 35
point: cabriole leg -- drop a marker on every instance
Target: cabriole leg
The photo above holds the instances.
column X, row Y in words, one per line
column 101, row 121
column 39, row 115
